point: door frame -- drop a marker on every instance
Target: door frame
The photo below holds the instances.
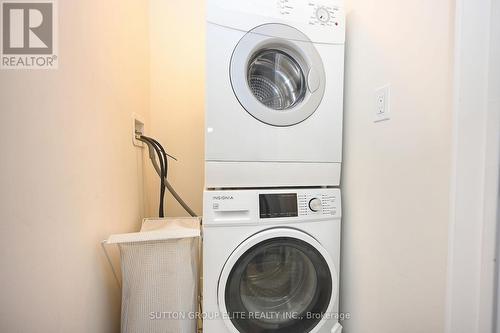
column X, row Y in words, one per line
column 472, row 272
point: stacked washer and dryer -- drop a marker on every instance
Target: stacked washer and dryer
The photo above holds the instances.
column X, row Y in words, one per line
column 272, row 207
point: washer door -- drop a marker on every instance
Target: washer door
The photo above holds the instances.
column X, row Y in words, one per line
column 280, row 280
column 277, row 75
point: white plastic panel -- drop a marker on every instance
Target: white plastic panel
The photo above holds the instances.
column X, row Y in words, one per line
column 270, row 174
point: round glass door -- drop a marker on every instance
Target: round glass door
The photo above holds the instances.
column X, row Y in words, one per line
column 279, row 285
column 277, row 75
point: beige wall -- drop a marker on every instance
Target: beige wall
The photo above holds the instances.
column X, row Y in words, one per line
column 396, row 174
column 177, row 97
column 69, row 175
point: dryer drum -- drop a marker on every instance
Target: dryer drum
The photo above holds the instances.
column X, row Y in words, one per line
column 276, row 79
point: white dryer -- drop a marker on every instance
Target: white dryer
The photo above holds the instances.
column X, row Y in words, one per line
column 274, row 89
column 271, row 261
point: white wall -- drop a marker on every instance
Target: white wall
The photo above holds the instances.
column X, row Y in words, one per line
column 69, row 175
column 178, row 97
column 396, row 173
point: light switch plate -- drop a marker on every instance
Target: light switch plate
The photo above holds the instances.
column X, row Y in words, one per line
column 382, row 104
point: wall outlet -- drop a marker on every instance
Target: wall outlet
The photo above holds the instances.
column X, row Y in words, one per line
column 382, row 104
column 137, row 129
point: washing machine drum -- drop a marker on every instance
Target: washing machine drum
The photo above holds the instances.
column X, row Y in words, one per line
column 277, row 75
column 279, row 285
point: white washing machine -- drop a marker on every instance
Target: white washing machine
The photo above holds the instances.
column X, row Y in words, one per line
column 274, row 89
column 271, row 261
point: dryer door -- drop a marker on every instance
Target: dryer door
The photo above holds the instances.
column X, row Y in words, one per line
column 277, row 75
column 280, row 280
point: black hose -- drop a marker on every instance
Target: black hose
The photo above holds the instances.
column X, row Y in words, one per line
column 164, row 182
column 164, row 154
column 163, row 170
column 163, row 173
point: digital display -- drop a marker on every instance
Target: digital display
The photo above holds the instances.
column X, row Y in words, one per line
column 278, row 205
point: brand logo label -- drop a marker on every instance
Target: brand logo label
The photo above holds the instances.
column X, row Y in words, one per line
column 29, row 34
column 223, row 197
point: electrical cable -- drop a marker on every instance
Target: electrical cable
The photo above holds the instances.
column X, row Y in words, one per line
column 153, row 147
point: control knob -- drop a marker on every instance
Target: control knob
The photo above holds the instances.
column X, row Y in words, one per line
column 323, row 15
column 315, row 204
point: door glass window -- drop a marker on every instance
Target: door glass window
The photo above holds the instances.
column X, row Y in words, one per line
column 276, row 79
column 280, row 285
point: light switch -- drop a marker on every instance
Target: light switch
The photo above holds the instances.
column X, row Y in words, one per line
column 382, row 104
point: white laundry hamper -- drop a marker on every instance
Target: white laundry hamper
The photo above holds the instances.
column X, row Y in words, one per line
column 160, row 276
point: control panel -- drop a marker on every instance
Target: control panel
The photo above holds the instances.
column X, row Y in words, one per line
column 312, row 203
column 286, row 7
column 324, row 15
column 322, row 21
column 271, row 206
column 317, row 13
